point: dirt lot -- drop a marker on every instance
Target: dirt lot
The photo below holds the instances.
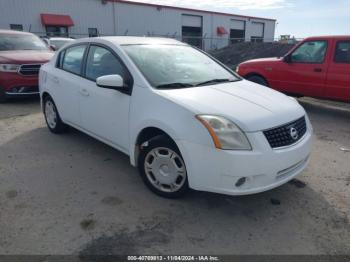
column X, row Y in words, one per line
column 71, row 194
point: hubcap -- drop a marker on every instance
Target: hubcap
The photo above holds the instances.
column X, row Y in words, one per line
column 50, row 114
column 165, row 169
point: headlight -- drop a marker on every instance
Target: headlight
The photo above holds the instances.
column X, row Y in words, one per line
column 225, row 134
column 9, row 68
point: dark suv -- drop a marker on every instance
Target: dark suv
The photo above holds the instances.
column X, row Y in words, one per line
column 21, row 56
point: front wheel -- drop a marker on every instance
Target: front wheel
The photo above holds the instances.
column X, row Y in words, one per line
column 162, row 168
column 52, row 118
column 258, row 79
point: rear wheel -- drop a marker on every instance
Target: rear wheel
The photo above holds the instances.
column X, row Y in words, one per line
column 162, row 168
column 258, row 79
column 52, row 118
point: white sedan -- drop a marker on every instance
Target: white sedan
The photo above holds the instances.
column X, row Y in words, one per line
column 185, row 119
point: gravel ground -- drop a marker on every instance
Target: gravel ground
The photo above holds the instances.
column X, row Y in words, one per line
column 70, row 194
column 240, row 52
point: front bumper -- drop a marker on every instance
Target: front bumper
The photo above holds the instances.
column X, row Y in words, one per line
column 15, row 85
column 264, row 168
column 23, row 91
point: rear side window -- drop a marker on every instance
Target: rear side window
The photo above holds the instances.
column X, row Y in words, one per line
column 101, row 62
column 73, row 59
column 312, row 52
column 60, row 59
column 342, row 52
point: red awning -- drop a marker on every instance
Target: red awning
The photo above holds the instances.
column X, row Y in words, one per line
column 56, row 20
column 221, row 30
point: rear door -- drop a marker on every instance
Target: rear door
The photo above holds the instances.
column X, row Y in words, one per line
column 338, row 79
column 307, row 69
column 67, row 83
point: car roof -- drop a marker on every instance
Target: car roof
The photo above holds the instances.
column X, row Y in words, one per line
column 61, row 38
column 330, row 37
column 135, row 40
column 14, row 32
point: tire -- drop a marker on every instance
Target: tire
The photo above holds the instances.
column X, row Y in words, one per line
column 162, row 168
column 258, row 79
column 52, row 117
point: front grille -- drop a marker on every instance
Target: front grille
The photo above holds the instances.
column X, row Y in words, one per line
column 29, row 70
column 286, row 135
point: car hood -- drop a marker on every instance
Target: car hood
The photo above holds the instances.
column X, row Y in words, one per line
column 263, row 60
column 251, row 106
column 25, row 56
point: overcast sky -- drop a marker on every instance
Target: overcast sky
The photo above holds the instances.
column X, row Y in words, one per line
column 299, row 18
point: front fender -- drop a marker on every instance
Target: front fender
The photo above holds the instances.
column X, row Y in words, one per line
column 143, row 125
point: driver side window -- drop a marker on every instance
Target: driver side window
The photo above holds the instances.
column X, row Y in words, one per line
column 101, row 62
column 312, row 52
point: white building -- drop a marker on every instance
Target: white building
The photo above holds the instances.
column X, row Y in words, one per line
column 81, row 18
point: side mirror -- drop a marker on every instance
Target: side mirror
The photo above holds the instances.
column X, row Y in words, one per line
column 287, row 59
column 115, row 82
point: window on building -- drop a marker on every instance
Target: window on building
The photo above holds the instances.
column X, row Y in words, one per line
column 342, row 52
column 16, row 27
column 57, row 31
column 93, row 32
column 73, row 59
column 313, row 52
column 101, row 62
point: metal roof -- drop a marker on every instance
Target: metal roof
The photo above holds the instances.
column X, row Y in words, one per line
column 187, row 9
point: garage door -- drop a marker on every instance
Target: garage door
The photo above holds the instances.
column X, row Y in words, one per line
column 192, row 30
column 237, row 24
column 237, row 31
column 191, row 20
column 257, row 29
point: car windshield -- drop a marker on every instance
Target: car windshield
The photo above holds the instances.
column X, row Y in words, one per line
column 9, row 42
column 59, row 43
column 177, row 66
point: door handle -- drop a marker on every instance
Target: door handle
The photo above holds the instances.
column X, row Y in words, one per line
column 55, row 80
column 318, row 70
column 84, row 92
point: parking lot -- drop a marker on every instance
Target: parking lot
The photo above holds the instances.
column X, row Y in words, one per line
column 70, row 194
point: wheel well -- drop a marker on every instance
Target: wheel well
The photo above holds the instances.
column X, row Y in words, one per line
column 145, row 135
column 44, row 95
column 256, row 74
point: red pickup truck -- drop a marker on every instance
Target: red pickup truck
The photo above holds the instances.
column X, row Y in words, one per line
column 21, row 56
column 317, row 67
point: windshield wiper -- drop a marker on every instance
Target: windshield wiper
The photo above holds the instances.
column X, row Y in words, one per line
column 215, row 81
column 174, row 85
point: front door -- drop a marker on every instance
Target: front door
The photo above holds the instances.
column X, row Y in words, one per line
column 338, row 79
column 306, row 71
column 105, row 112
